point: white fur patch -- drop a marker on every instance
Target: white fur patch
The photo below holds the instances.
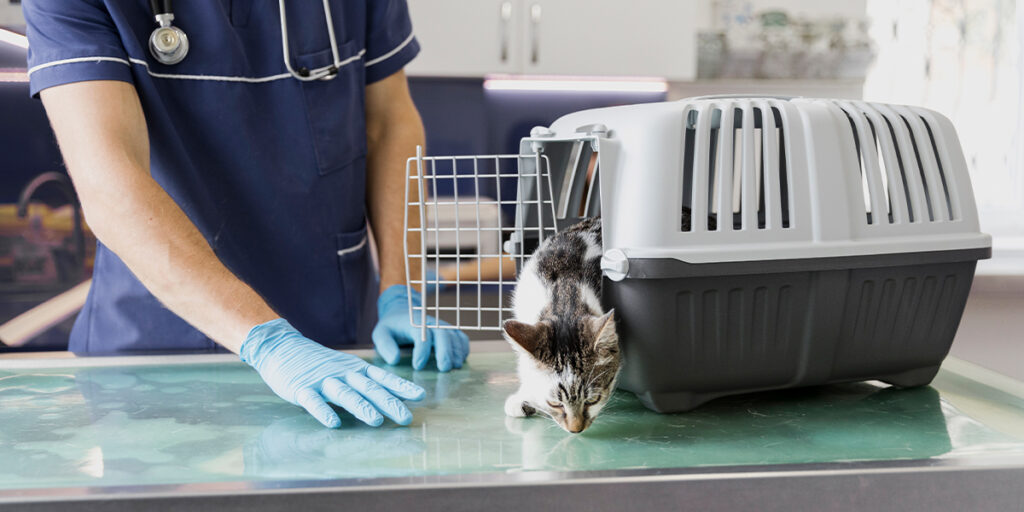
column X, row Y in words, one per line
column 594, row 249
column 535, row 383
column 531, row 295
column 590, row 299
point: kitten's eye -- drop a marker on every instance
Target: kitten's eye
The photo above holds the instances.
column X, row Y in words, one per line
column 593, row 400
column 554, row 405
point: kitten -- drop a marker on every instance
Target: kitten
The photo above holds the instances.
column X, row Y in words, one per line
column 567, row 346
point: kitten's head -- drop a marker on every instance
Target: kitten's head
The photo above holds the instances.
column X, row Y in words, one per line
column 576, row 362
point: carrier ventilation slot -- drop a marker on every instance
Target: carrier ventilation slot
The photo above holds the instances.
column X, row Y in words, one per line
column 902, row 175
column 578, row 190
column 735, row 168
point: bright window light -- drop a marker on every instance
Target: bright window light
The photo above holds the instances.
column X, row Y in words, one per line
column 13, row 38
column 569, row 84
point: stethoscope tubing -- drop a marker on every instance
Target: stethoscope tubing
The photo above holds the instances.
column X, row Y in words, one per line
column 161, row 7
column 322, row 73
column 162, row 11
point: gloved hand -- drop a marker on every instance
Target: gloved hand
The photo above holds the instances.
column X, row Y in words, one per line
column 394, row 329
column 308, row 374
column 432, row 282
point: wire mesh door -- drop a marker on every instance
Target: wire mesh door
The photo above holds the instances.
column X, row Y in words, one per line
column 471, row 222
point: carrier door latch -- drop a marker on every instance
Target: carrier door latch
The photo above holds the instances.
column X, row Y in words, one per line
column 615, row 264
column 513, row 245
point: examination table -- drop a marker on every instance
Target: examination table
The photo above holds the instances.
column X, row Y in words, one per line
column 203, row 432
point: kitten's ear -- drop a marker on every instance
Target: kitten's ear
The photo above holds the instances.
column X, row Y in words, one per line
column 607, row 339
column 526, row 335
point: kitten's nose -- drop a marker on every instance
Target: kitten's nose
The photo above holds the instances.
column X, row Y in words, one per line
column 575, row 425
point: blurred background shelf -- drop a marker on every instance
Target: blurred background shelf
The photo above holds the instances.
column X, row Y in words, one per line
column 851, row 88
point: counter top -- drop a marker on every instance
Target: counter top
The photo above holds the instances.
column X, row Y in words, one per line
column 125, row 428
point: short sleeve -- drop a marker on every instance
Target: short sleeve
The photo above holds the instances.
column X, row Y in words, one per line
column 390, row 43
column 72, row 41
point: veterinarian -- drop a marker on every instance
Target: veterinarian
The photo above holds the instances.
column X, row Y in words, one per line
column 230, row 183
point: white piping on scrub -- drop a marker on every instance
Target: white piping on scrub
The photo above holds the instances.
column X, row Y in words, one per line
column 216, row 78
column 37, row 67
column 388, row 55
column 354, row 248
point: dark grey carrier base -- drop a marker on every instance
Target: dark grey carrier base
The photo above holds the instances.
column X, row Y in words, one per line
column 694, row 332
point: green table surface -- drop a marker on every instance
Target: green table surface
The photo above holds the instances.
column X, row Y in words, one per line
column 94, row 423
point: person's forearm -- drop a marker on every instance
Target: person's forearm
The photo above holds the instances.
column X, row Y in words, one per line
column 102, row 134
column 394, row 130
column 488, row 268
column 162, row 247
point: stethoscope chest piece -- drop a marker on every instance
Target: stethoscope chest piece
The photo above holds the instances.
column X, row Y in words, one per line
column 168, row 44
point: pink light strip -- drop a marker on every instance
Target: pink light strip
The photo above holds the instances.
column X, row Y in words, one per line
column 590, row 84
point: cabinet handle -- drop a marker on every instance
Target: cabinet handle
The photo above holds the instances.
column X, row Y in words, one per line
column 534, row 33
column 506, row 17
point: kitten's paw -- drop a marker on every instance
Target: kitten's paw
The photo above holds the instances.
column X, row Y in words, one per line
column 517, row 408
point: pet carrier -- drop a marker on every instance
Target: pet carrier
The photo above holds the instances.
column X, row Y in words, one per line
column 750, row 243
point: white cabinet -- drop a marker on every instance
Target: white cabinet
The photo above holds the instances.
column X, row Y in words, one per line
column 466, row 37
column 611, row 37
column 10, row 14
column 556, row 37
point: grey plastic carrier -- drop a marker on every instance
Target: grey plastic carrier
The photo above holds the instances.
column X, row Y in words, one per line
column 750, row 243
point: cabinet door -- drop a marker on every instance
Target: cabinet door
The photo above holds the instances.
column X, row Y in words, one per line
column 611, row 37
column 466, row 37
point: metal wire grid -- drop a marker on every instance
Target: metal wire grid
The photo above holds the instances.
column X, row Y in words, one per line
column 468, row 180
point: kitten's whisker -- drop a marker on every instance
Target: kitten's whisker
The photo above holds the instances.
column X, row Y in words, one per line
column 594, row 379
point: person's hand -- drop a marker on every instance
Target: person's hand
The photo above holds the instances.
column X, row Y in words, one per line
column 432, row 282
column 308, row 374
column 394, row 329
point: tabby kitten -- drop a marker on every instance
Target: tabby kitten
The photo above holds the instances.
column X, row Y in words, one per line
column 567, row 346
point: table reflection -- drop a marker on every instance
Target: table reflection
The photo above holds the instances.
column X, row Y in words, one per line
column 169, row 424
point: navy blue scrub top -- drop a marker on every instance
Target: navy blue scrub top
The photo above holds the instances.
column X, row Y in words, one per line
column 270, row 169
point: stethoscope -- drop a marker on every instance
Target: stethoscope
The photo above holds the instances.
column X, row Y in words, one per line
column 169, row 44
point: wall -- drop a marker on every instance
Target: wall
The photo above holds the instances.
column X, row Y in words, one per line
column 962, row 58
column 10, row 14
column 989, row 333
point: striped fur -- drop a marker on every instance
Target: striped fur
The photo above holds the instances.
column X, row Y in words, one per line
column 567, row 345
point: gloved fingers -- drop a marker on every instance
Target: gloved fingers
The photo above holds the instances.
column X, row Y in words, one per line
column 340, row 393
column 430, row 282
column 458, row 347
column 443, row 349
column 462, row 349
column 316, row 407
column 421, row 348
column 453, row 338
column 385, row 344
column 395, row 384
column 385, row 402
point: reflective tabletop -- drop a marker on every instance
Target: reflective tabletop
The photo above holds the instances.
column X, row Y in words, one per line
column 202, row 419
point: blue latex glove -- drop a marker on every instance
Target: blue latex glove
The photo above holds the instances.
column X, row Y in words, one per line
column 431, row 282
column 394, row 330
column 308, row 374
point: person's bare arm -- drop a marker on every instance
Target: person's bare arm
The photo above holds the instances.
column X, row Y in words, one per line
column 393, row 130
column 102, row 134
